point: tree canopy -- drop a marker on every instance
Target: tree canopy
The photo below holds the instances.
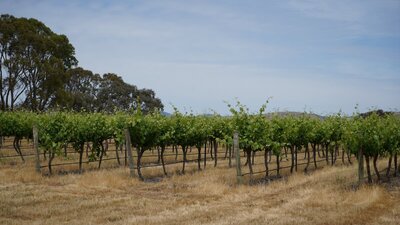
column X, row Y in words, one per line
column 38, row 71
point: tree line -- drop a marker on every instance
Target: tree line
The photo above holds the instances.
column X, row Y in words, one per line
column 39, row 71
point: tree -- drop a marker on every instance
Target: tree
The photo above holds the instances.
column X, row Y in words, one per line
column 11, row 68
column 114, row 94
column 148, row 100
column 80, row 91
column 34, row 61
column 37, row 72
column 47, row 57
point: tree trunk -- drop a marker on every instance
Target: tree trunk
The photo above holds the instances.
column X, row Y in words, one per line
column 277, row 165
column 199, row 157
column 226, row 151
column 336, row 152
column 292, row 153
column 176, row 152
column 232, row 149
column 230, row 156
column 105, row 146
column 318, row 150
column 101, row 154
column 87, row 149
column 117, row 154
column 314, row 155
column 360, row 160
column 158, row 155
column 286, row 156
column 215, row 153
column 247, row 158
column 162, row 160
column 368, row 169
column 44, row 154
column 65, row 150
column 266, row 162
column 376, row 168
column 205, row 155
column 395, row 164
column 270, row 156
column 184, row 149
column 253, row 155
column 343, row 151
column 125, row 154
column 348, row 157
column 81, row 156
column 17, row 148
column 249, row 164
column 140, row 152
column 295, row 156
column 327, row 153
column 211, row 150
column 308, row 158
column 51, row 157
column 389, row 165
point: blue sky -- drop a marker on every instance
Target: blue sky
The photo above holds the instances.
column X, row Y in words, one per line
column 314, row 55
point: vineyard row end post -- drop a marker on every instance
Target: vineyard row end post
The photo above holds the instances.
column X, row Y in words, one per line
column 129, row 150
column 237, row 153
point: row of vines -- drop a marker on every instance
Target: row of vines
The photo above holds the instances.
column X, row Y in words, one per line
column 373, row 136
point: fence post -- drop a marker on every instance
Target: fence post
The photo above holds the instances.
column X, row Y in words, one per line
column 129, row 150
column 36, row 147
column 360, row 166
column 237, row 152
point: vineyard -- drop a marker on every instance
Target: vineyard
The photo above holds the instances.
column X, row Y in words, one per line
column 268, row 144
column 275, row 155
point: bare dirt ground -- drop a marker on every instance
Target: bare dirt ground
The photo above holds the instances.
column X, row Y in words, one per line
column 326, row 196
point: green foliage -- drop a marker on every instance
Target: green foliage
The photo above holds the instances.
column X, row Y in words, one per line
column 17, row 124
column 253, row 129
column 373, row 134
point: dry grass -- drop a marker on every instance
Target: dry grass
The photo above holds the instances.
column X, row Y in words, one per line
column 208, row 197
column 326, row 196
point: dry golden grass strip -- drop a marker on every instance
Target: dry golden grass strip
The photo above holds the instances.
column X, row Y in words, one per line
column 208, row 197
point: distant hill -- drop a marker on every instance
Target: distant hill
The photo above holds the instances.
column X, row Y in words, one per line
column 379, row 112
column 165, row 113
column 313, row 115
column 294, row 114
